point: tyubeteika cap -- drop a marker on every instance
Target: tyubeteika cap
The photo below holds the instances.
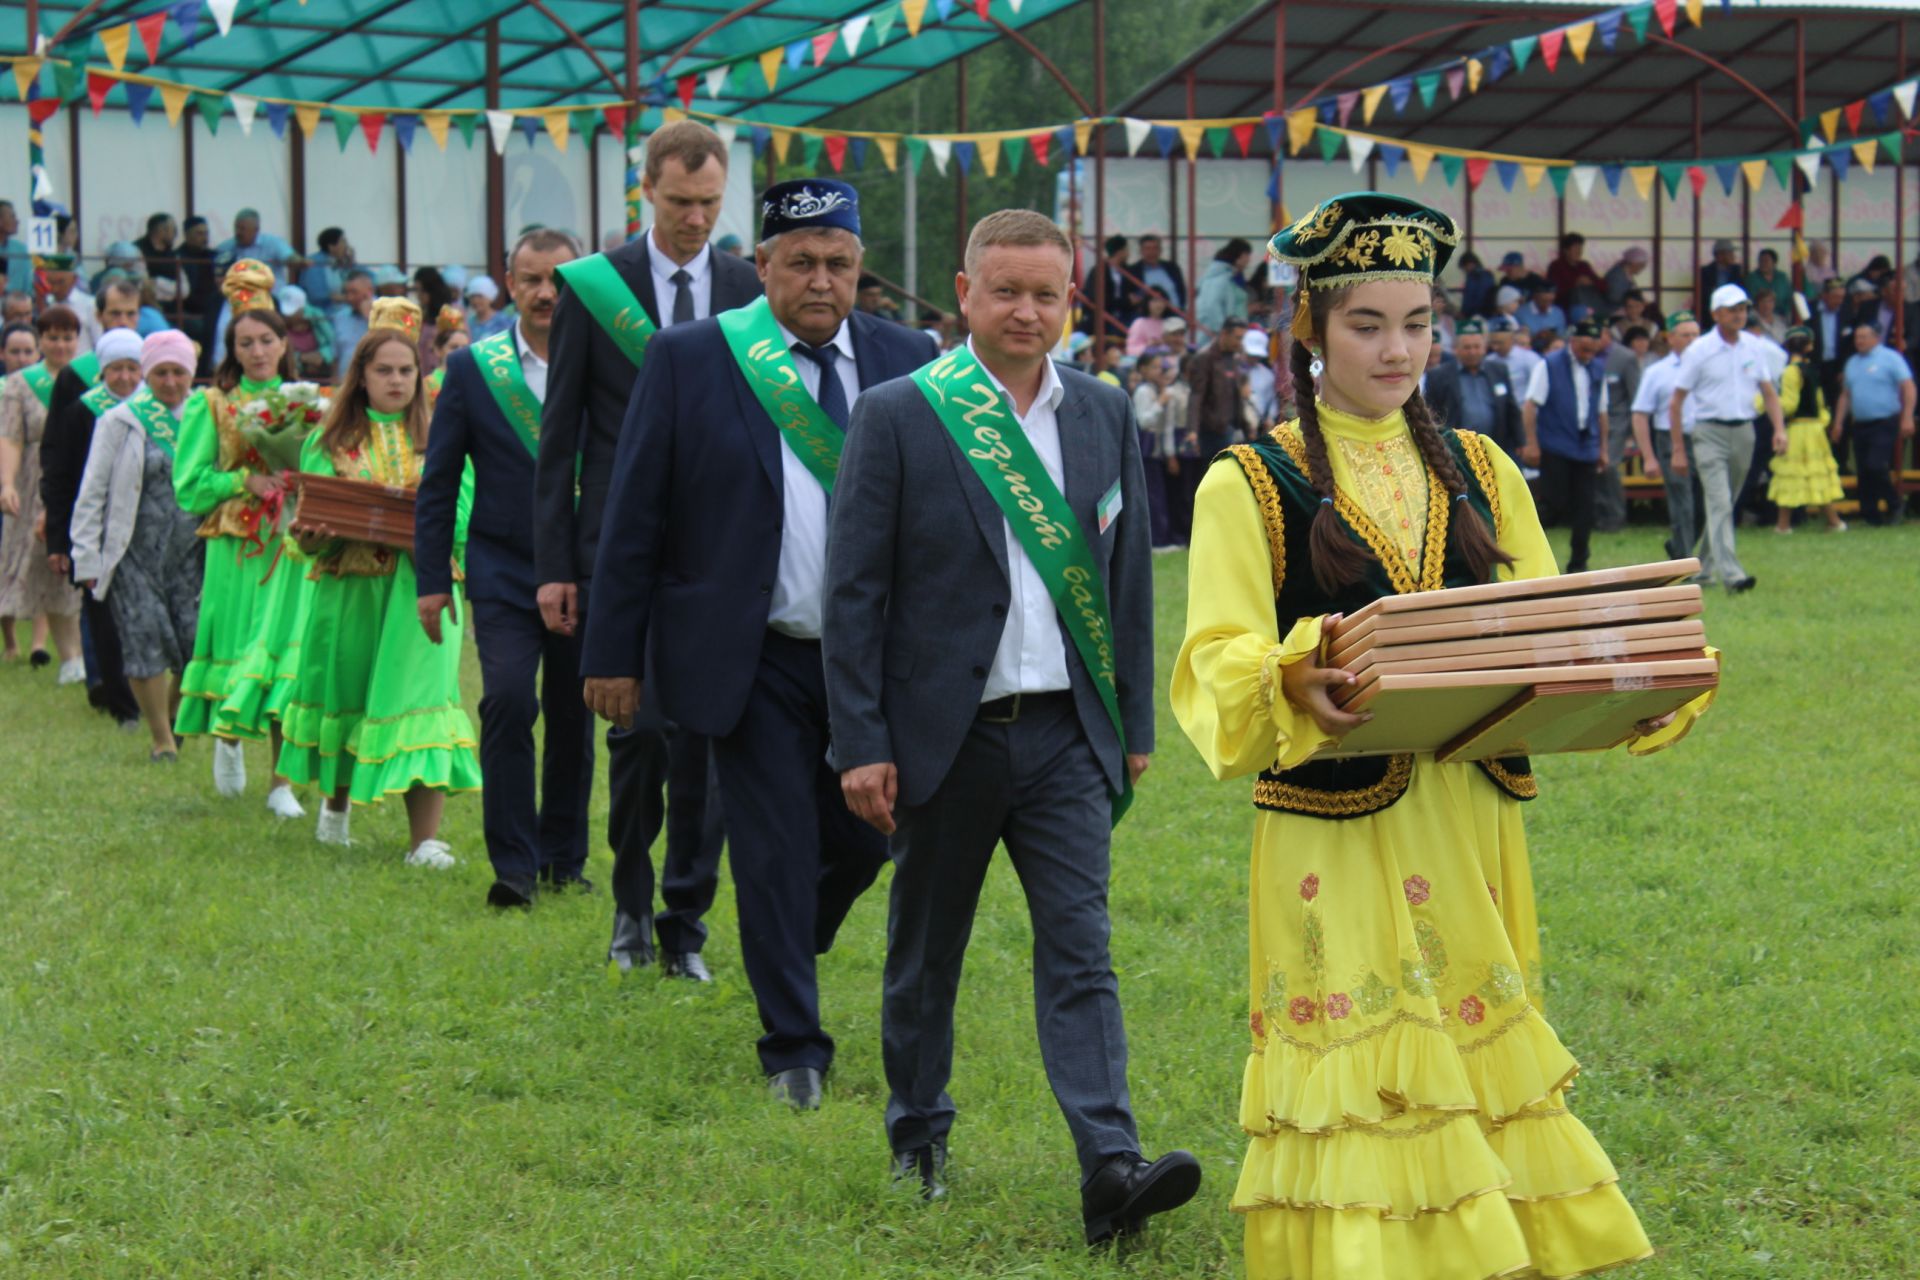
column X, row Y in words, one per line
column 809, row 204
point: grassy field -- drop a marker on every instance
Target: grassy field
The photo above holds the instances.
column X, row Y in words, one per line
column 228, row 1052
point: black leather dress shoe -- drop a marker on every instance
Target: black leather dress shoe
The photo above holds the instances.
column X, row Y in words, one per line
column 632, row 935
column 510, row 893
column 684, row 964
column 798, row 1087
column 567, row 884
column 628, row 960
column 1744, row 585
column 1127, row 1190
column 928, row 1164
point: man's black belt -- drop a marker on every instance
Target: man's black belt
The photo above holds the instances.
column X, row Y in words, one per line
column 1010, row 708
column 1724, row 422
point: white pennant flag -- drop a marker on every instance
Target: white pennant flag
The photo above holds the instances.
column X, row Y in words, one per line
column 716, row 81
column 1137, row 131
column 42, row 184
column 1903, row 94
column 1809, row 162
column 223, row 13
column 244, row 107
column 1015, row 5
column 727, row 132
column 500, row 125
column 1358, row 149
column 1583, row 176
column 853, row 30
column 942, row 150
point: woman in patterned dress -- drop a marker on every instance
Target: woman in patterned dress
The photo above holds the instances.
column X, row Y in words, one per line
column 29, row 585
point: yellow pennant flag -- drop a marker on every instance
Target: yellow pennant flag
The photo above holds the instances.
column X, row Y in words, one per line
column 558, row 123
column 25, row 72
column 437, row 122
column 770, row 66
column 1696, row 10
column 174, row 98
column 1193, row 135
column 1370, row 102
column 1300, row 127
column 1755, row 171
column 1421, row 159
column 1578, row 38
column 1533, row 173
column 987, row 151
column 1082, row 133
column 1865, row 153
column 1474, row 72
column 913, row 11
column 115, row 40
column 1643, row 176
column 889, row 150
column 1830, row 123
column 308, row 114
column 782, row 143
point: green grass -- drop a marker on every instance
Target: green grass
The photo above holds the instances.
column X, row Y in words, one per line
column 226, row 1051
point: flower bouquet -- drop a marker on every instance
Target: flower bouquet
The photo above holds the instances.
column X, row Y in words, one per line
column 276, row 423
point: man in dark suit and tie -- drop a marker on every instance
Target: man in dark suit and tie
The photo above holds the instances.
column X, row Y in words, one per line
column 488, row 414
column 720, row 496
column 611, row 305
column 982, row 690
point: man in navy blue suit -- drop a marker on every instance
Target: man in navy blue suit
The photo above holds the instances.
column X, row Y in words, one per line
column 714, row 557
column 489, row 414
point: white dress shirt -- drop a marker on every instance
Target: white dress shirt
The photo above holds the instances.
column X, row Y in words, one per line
column 532, row 367
column 664, row 289
column 1725, row 376
column 803, row 530
column 1032, row 658
column 1656, row 394
column 1582, row 382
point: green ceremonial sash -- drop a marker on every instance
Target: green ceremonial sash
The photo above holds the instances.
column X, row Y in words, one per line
column 39, row 381
column 753, row 335
column 156, row 419
column 498, row 359
column 87, row 365
column 100, row 399
column 982, row 423
column 608, row 300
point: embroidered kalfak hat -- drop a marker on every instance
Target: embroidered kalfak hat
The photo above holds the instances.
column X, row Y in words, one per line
column 1363, row 236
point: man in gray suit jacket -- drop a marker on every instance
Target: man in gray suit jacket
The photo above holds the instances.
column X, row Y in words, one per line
column 964, row 714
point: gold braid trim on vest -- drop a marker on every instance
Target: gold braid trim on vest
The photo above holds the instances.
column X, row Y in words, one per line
column 1267, row 494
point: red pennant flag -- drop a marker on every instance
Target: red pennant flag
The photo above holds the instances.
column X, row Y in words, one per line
column 685, row 89
column 42, row 109
column 980, row 7
column 1550, row 43
column 1243, row 135
column 151, row 29
column 836, row 144
column 1476, row 169
column 616, row 118
column 1697, row 179
column 98, row 87
column 1852, row 112
column 1794, row 219
column 371, row 123
column 1040, row 142
column 823, row 45
column 1666, row 10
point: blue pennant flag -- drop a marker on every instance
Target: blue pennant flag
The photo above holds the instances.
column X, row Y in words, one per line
column 1729, row 174
column 1276, row 125
column 1608, row 24
column 186, row 15
column 1840, row 160
column 1880, row 102
column 1613, row 173
column 403, row 127
column 858, row 148
column 1329, row 111
column 277, row 113
column 1063, row 139
column 796, row 53
column 1164, row 136
column 1498, row 64
column 529, row 125
column 1273, row 182
column 963, row 152
column 1398, row 91
column 944, row 8
column 1391, row 156
column 760, row 136
column 1508, row 171
column 138, row 95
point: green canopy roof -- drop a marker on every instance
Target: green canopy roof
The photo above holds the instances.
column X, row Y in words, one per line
column 415, row 55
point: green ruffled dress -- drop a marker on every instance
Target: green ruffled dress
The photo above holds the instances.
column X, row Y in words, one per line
column 262, row 679
column 375, row 706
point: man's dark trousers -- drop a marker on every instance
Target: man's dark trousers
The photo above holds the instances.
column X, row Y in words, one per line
column 644, row 763
column 800, row 858
column 1876, row 443
column 1566, row 492
column 1036, row 784
column 529, row 841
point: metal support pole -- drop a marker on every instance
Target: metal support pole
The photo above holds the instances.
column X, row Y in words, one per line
column 630, row 136
column 910, row 210
column 296, row 186
column 1193, row 202
column 186, row 165
column 496, row 171
column 1797, row 180
column 73, row 164
column 593, row 188
column 1699, row 303
column 1279, row 104
column 960, row 227
column 1900, row 213
column 1173, row 215
column 1099, row 141
column 400, row 206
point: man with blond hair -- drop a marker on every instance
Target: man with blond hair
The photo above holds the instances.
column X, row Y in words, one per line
column 988, row 635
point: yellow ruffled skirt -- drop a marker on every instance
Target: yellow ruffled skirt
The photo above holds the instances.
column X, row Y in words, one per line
column 1806, row 475
column 1405, row 1098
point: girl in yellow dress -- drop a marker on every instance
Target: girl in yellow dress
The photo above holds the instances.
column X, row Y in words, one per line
column 1806, row 475
column 1404, row 1098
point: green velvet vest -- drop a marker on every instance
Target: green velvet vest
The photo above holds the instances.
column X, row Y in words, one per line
column 1277, row 469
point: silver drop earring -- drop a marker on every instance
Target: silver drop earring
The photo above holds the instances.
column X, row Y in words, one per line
column 1317, row 367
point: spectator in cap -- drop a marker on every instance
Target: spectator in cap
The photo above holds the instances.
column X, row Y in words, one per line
column 730, row 243
column 873, row 299
column 1866, row 304
column 1477, row 285
column 1543, row 312
column 309, row 331
column 1149, row 327
column 1515, row 273
column 1664, row 455
column 248, row 241
column 325, row 278
column 1174, row 336
column 1564, row 415
column 1624, row 276
column 389, row 282
column 1577, row 287
column 1876, row 401
column 1506, row 303
column 485, row 316
column 1724, row 269
column 122, row 256
column 1767, row 277
column 1256, row 348
column 1474, row 392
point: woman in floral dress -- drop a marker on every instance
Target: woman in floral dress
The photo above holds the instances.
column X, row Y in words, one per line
column 29, row 585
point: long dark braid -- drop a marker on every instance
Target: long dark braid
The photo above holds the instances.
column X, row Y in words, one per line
column 1476, row 542
column 1337, row 558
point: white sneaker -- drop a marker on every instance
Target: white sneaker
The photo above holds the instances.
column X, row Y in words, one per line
column 431, row 853
column 72, row 671
column 282, row 803
column 332, row 828
column 229, row 767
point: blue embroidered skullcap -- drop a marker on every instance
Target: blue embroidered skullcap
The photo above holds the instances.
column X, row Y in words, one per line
column 809, row 204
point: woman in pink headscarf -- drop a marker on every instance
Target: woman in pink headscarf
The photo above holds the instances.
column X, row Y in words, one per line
column 133, row 547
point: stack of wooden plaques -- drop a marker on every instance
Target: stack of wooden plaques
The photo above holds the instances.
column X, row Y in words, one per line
column 1533, row 667
column 355, row 509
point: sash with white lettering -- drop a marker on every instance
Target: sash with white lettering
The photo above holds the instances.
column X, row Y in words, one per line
column 156, row 420
column 608, row 300
column 40, row 382
column 753, row 335
column 498, row 359
column 990, row 437
column 100, row 399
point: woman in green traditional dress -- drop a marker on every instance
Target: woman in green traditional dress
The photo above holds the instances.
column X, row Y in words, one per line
column 376, row 706
column 29, row 586
column 238, row 439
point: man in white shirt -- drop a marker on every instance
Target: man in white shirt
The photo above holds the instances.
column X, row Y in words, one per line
column 1722, row 374
column 1564, row 414
column 1662, row 452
